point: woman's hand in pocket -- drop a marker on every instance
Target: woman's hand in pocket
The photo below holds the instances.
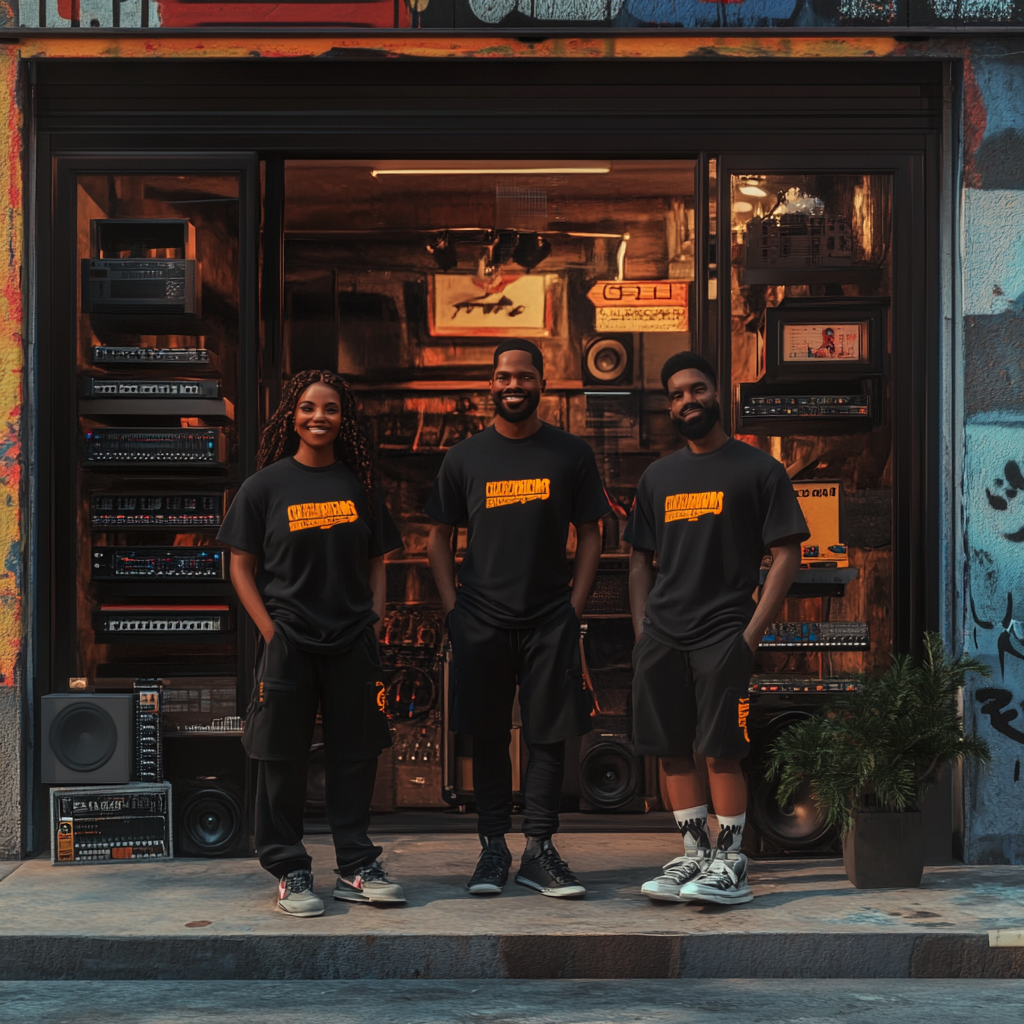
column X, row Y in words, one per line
column 268, row 634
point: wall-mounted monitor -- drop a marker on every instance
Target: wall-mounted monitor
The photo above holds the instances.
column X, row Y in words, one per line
column 803, row 339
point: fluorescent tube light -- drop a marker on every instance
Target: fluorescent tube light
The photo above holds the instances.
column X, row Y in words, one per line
column 379, row 172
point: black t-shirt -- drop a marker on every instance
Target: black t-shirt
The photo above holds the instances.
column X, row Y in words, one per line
column 517, row 497
column 311, row 529
column 710, row 518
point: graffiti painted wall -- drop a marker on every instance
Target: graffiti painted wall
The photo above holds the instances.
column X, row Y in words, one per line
column 993, row 345
column 11, row 681
column 488, row 15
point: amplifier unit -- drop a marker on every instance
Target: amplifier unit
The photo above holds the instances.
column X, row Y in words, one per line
column 816, row 636
column 181, row 563
column 148, row 757
column 107, row 388
column 806, row 406
column 108, row 823
column 162, row 511
column 139, row 286
column 173, row 447
column 172, row 620
column 769, row 684
column 131, row 354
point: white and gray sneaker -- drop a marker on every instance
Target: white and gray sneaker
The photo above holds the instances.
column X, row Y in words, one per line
column 723, row 880
column 675, row 874
column 295, row 895
column 370, row 884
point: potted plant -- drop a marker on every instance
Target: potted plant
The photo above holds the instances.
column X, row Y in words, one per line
column 870, row 755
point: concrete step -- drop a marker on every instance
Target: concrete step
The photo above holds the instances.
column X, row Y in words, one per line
column 205, row 919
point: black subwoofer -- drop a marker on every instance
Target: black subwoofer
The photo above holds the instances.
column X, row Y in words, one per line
column 213, row 786
column 86, row 738
column 211, row 819
column 611, row 775
column 797, row 827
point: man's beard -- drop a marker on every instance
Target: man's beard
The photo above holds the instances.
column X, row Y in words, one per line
column 524, row 412
column 694, row 430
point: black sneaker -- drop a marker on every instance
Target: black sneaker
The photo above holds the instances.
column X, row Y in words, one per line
column 492, row 868
column 542, row 869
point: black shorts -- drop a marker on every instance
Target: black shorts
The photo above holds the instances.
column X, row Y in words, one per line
column 544, row 661
column 691, row 700
column 292, row 684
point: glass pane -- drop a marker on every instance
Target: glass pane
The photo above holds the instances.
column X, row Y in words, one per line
column 157, row 358
column 811, row 327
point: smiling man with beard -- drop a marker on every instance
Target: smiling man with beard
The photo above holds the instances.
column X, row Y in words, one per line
column 514, row 618
column 710, row 511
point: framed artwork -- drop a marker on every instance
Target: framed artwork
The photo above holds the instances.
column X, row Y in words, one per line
column 807, row 338
column 502, row 306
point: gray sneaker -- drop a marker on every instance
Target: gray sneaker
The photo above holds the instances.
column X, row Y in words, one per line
column 675, row 874
column 295, row 895
column 370, row 884
column 723, row 880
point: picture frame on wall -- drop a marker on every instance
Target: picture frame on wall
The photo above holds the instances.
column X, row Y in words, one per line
column 806, row 339
column 501, row 306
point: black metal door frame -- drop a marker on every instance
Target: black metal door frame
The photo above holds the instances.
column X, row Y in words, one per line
column 128, row 141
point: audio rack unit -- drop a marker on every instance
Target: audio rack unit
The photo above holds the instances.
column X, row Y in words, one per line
column 108, row 823
column 155, row 511
column 783, row 684
column 190, row 623
column 806, row 406
column 193, row 564
column 134, row 354
column 147, row 756
column 809, row 406
column 816, row 636
column 102, row 387
column 140, row 449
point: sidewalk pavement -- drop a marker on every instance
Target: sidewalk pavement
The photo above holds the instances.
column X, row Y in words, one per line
column 208, row 919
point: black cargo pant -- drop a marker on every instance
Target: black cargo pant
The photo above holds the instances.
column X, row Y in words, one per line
column 543, row 661
column 292, row 685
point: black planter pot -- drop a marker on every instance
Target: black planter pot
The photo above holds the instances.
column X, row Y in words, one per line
column 885, row 850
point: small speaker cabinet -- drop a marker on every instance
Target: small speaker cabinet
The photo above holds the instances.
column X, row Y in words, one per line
column 86, row 738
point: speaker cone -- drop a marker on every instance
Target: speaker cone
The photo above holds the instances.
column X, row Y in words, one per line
column 211, row 820
column 798, row 824
column 609, row 775
column 83, row 737
column 606, row 360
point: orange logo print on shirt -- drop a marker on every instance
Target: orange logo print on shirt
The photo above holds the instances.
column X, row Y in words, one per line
column 517, row 492
column 322, row 514
column 743, row 712
column 692, row 506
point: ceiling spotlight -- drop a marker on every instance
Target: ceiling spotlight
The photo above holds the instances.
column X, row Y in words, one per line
column 531, row 250
column 442, row 248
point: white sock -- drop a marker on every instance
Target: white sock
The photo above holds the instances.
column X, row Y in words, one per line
column 693, row 823
column 730, row 832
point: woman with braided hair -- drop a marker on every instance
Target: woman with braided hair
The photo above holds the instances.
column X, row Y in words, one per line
column 308, row 533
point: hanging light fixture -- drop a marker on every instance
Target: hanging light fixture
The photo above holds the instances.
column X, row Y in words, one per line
column 442, row 248
column 752, row 186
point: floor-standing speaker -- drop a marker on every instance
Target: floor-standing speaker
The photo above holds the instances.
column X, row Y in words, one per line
column 213, row 784
column 797, row 827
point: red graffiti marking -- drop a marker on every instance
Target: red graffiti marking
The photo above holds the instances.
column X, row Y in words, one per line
column 975, row 121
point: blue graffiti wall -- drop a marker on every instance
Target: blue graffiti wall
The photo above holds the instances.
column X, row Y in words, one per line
column 993, row 347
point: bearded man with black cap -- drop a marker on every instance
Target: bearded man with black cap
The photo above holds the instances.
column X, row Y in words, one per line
column 514, row 618
column 710, row 511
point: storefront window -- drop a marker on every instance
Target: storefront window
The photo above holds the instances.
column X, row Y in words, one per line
column 811, row 287
column 157, row 315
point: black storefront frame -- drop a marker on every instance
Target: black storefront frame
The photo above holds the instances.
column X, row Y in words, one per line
column 126, row 141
